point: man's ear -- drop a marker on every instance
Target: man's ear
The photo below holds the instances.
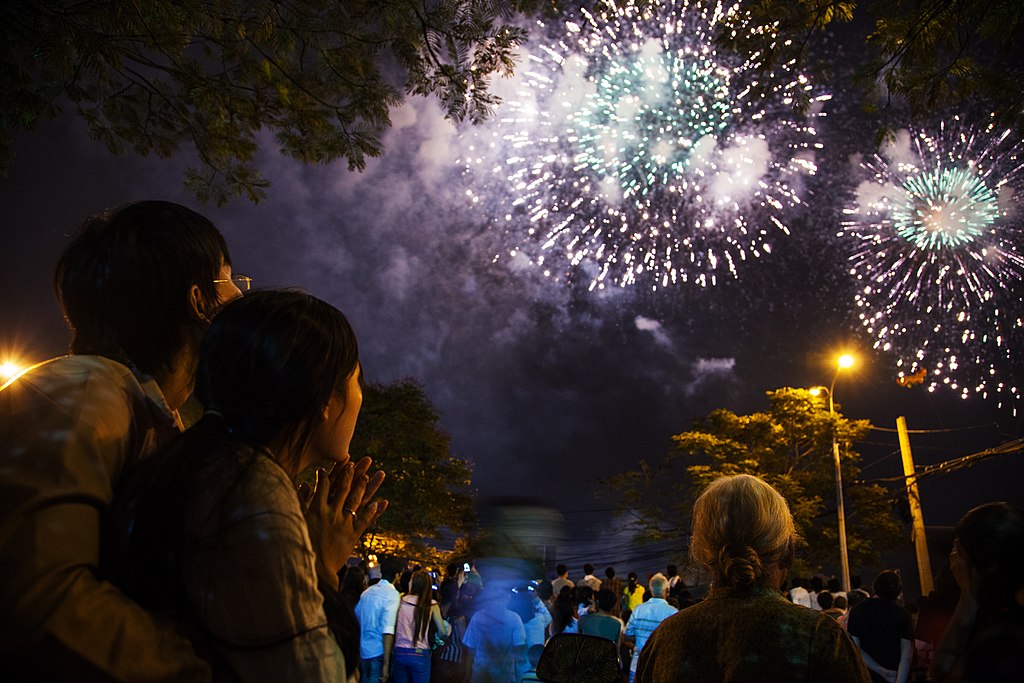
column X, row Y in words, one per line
column 198, row 304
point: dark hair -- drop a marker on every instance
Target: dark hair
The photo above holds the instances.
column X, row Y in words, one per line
column 992, row 536
column 271, row 361
column 671, row 570
column 124, row 280
column 561, row 613
column 833, row 585
column 588, row 569
column 352, row 585
column 561, row 569
column 390, row 567
column 606, row 600
column 544, row 590
column 421, row 586
column 610, row 572
column 824, row 599
column 888, row 585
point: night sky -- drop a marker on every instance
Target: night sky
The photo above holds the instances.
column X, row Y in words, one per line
column 545, row 386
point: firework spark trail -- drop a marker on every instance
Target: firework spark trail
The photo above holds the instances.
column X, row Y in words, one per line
column 637, row 149
column 939, row 255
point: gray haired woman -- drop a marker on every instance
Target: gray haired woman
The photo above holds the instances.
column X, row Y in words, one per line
column 745, row 630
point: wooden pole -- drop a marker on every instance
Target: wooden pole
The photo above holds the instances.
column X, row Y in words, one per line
column 924, row 563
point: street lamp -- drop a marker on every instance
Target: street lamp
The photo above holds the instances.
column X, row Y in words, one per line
column 843, row 362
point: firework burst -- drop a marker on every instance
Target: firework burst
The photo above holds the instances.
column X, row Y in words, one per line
column 634, row 148
column 938, row 255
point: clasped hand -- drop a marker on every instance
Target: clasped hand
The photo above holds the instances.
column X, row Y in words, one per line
column 338, row 510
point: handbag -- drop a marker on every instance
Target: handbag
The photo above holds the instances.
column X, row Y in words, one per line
column 448, row 662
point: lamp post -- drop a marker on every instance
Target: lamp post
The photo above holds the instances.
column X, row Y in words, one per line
column 843, row 362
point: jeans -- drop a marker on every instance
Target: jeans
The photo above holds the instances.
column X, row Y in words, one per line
column 410, row 667
column 370, row 669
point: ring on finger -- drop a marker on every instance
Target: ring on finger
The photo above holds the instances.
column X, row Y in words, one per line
column 349, row 512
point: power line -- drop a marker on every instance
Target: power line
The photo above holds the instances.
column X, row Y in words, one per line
column 960, row 463
column 935, row 431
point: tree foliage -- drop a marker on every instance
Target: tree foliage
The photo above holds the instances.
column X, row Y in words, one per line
column 429, row 490
column 209, row 75
column 920, row 56
column 789, row 445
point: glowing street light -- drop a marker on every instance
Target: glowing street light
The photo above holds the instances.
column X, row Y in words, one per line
column 844, row 362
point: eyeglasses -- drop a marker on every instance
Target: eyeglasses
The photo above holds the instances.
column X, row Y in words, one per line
column 243, row 282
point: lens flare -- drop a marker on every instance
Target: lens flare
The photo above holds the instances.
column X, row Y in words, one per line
column 936, row 249
column 634, row 149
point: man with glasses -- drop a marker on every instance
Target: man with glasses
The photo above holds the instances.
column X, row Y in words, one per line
column 138, row 287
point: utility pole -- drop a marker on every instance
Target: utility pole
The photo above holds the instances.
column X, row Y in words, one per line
column 924, row 564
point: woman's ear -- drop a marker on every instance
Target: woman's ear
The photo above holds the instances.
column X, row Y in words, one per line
column 198, row 304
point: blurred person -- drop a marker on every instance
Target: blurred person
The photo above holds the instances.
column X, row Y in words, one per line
column 416, row 611
column 563, row 614
column 534, row 614
column 633, row 593
column 211, row 529
column 601, row 622
column 584, row 600
column 589, row 579
column 676, row 585
column 985, row 637
column 377, row 611
column 745, row 630
column 616, row 586
column 561, row 580
column 798, row 594
column 835, row 588
column 817, row 585
column 884, row 631
column 827, row 604
column 497, row 639
column 646, row 617
column 454, row 577
column 138, row 286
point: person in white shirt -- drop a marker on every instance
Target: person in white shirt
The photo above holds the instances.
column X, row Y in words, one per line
column 377, row 611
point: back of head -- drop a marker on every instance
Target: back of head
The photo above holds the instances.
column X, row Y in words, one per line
column 888, row 585
column 606, row 600
column 561, row 570
column 390, row 568
column 124, row 282
column 671, row 571
column 741, row 527
column 610, row 572
column 659, row 585
column 992, row 536
column 588, row 569
column 825, row 600
column 271, row 361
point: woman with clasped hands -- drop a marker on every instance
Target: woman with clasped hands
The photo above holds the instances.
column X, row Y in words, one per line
column 745, row 630
column 214, row 532
column 984, row 641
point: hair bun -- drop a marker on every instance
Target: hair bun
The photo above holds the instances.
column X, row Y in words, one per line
column 741, row 564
